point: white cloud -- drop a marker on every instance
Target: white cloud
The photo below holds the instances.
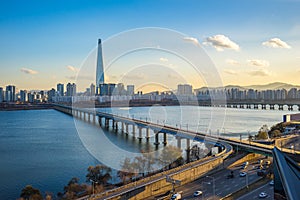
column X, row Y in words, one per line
column 261, row 72
column 230, row 71
column 28, row 71
column 233, row 62
column 258, row 63
column 163, row 59
column 221, row 42
column 71, row 68
column 193, row 40
column 276, row 43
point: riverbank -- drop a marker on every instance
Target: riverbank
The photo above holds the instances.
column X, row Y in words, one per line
column 14, row 106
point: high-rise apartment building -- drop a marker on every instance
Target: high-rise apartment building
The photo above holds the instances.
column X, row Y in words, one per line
column 23, row 96
column 51, row 93
column 60, row 89
column 184, row 89
column 10, row 93
column 1, row 95
column 130, row 90
column 92, row 89
column 71, row 89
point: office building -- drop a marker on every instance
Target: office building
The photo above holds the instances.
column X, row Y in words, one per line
column 60, row 89
column 10, row 93
column 100, row 68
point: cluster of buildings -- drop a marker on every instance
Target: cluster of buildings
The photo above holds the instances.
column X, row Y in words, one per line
column 106, row 92
column 237, row 94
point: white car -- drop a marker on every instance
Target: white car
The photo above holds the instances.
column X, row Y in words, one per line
column 262, row 195
column 271, row 182
column 242, row 174
column 197, row 193
column 176, row 196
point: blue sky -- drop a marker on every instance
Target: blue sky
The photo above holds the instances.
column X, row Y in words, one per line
column 40, row 39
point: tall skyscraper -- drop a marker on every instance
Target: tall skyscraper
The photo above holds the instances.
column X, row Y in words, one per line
column 60, row 89
column 1, row 95
column 10, row 93
column 100, row 69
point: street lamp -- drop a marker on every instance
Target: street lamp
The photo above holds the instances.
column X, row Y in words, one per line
column 93, row 185
column 213, row 179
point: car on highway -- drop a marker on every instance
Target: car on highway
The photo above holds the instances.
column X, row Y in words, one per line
column 271, row 182
column 242, row 174
column 197, row 193
column 262, row 195
column 176, row 196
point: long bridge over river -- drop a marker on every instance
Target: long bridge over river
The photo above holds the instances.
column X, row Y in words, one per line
column 107, row 119
column 156, row 184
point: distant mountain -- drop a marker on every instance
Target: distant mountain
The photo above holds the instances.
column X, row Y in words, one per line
column 273, row 86
column 269, row 86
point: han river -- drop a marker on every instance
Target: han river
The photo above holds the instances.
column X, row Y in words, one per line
column 43, row 147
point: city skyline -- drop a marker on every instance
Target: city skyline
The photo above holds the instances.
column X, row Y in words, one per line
column 253, row 42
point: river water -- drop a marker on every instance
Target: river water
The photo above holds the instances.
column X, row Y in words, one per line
column 44, row 147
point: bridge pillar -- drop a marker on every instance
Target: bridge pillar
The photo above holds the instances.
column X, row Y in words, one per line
column 263, row 107
column 255, row 106
column 178, row 142
column 271, row 106
column 298, row 107
column 133, row 130
column 147, row 134
column 126, row 125
column 248, row 106
column 89, row 117
column 140, row 133
column 122, row 127
column 94, row 118
column 156, row 142
column 290, row 107
column 188, row 149
column 280, row 107
column 116, row 126
column 100, row 121
column 113, row 124
column 106, row 123
column 165, row 139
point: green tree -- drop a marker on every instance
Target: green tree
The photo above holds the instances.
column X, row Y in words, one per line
column 99, row 174
column 30, row 193
column 169, row 155
column 73, row 190
column 127, row 171
column 275, row 133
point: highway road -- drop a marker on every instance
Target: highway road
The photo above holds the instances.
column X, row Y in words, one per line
column 267, row 188
column 219, row 184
